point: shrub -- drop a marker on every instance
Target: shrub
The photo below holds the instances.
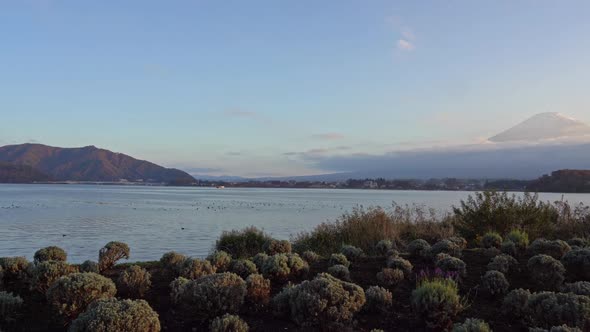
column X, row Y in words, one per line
column 503, row 263
column 89, row 266
column 383, row 246
column 578, row 288
column 437, row 302
column 283, row 266
column 452, row 264
column 10, row 305
column 50, row 254
column 220, row 260
column 242, row 243
column 491, row 252
column 46, row 272
column 273, row 247
column 259, row 260
column 494, row 283
column 546, row 271
column 498, row 211
column 339, row 271
column 338, row 259
column 71, row 295
column 445, row 246
column 280, row 302
column 509, row 248
column 243, row 267
column 472, row 325
column 400, row 263
column 172, row 263
column 519, row 238
column 562, row 328
column 135, row 281
column 14, row 268
column 378, row 299
column 325, row 300
column 258, row 289
column 209, row 296
column 577, row 264
column 111, row 253
column 418, row 248
column 392, row 253
column 491, row 240
column 194, row 268
column 514, row 303
column 390, row 277
column 554, row 248
column 459, row 241
column 577, row 242
column 548, row 309
column 117, row 315
column 352, row 253
column 228, row 323
column 310, row 257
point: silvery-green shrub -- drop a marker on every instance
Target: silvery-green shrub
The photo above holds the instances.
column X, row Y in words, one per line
column 378, row 299
column 390, row 277
column 51, row 253
column 220, row 260
column 503, row 263
column 117, row 315
column 546, row 271
column 418, row 248
column 135, row 281
column 111, row 253
column 339, row 271
column 228, row 323
column 472, row 325
column 494, row 283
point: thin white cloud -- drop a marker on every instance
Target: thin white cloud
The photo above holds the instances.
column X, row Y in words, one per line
column 329, row 136
column 405, row 45
column 239, row 113
column 407, row 33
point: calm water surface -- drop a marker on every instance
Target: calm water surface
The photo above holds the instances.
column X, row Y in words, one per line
column 153, row 220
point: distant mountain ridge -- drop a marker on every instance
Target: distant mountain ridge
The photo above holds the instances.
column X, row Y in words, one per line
column 544, row 126
column 88, row 164
column 10, row 173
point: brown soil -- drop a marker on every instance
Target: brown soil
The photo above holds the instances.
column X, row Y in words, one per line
column 38, row 316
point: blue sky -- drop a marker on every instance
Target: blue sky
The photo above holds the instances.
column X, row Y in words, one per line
column 249, row 87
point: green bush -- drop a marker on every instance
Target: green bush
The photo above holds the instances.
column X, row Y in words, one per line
column 243, row 267
column 352, row 253
column 509, row 248
column 459, row 241
column 10, row 306
column 445, row 246
column 546, row 271
column 43, row 274
column 383, row 246
column 273, row 247
column 555, row 248
column 562, row 328
column 519, row 238
column 437, row 302
column 503, row 263
column 52, row 253
column 228, row 323
column 500, row 212
column 577, row 264
column 494, row 283
column 220, row 260
column 392, row 253
column 577, row 242
column 472, row 325
column 171, row 263
column 514, row 303
column 418, row 248
column 242, row 243
column 378, row 299
column 259, row 260
column 135, row 281
column 89, row 266
column 390, row 277
column 71, row 295
column 547, row 309
column 258, row 289
column 283, row 266
column 310, row 257
column 117, row 315
column 491, row 240
column 452, row 264
column 15, row 268
column 280, row 302
column 111, row 253
column 578, row 288
column 209, row 296
column 339, row 271
column 338, row 259
column 325, row 300
column 194, row 268
column 400, row 263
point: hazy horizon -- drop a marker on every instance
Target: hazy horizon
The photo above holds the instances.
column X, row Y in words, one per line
column 270, row 88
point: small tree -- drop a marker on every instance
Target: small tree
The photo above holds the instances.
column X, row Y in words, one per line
column 111, row 253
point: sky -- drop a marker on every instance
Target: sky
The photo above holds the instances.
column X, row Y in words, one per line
column 262, row 88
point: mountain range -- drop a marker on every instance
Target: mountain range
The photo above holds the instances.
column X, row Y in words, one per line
column 37, row 162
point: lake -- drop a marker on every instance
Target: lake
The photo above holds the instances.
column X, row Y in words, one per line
column 153, row 220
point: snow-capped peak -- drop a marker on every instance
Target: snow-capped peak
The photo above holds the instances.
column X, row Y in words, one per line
column 544, row 126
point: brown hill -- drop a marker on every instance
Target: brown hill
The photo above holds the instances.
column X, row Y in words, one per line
column 10, row 173
column 563, row 181
column 89, row 164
